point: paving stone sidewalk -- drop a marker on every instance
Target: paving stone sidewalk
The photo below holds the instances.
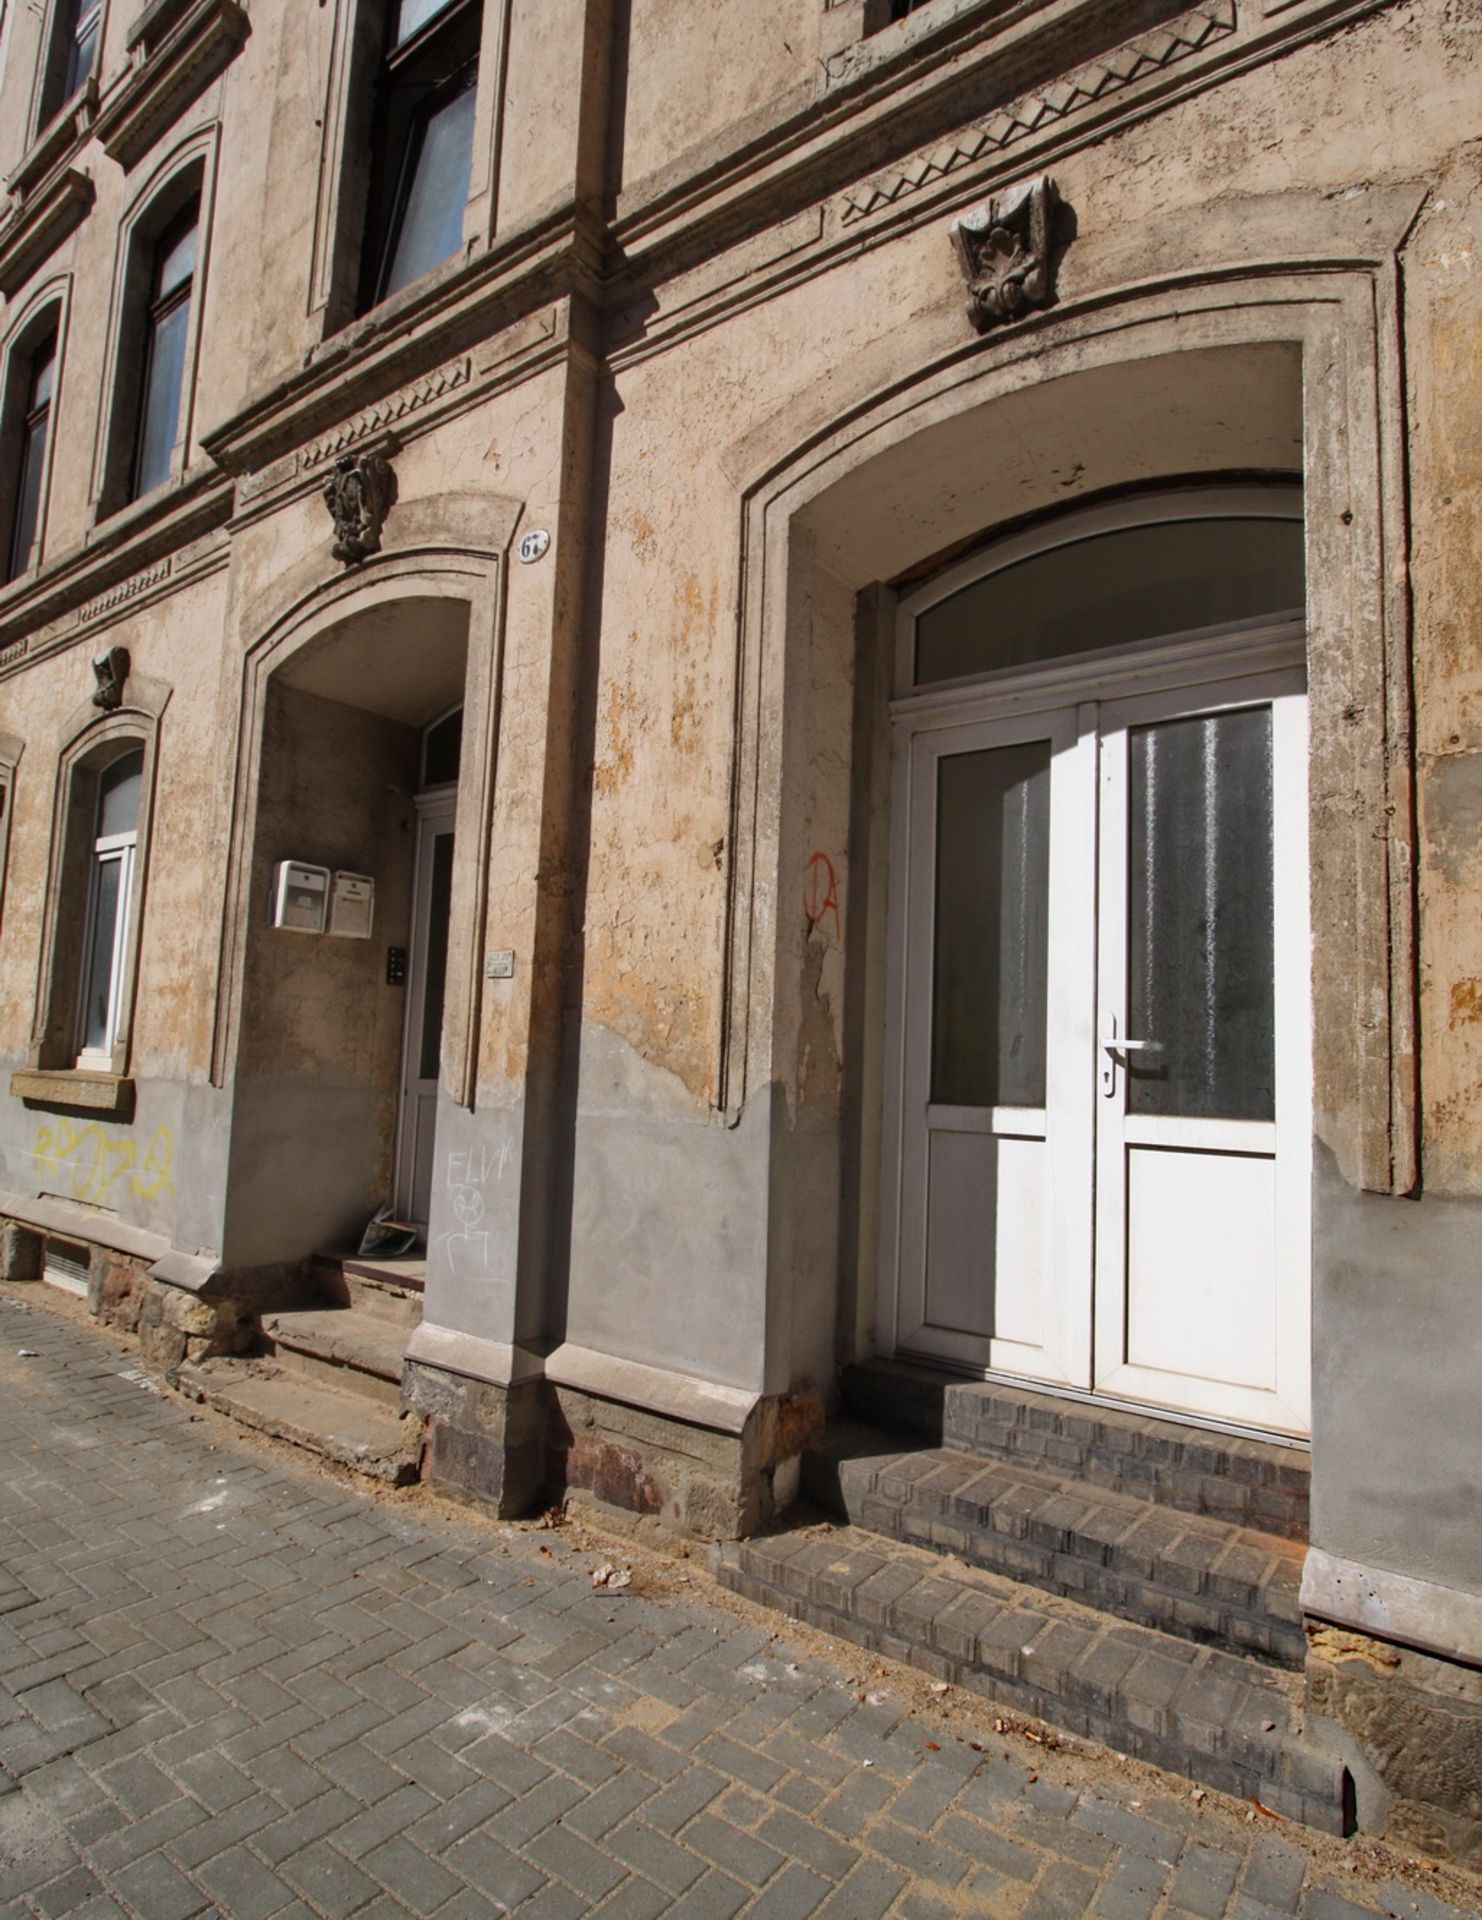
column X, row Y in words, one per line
column 231, row 1686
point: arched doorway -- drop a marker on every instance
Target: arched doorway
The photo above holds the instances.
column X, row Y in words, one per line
column 1097, row 1151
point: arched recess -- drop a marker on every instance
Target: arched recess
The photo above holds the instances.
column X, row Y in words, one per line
column 292, row 620
column 336, row 690
column 1255, row 373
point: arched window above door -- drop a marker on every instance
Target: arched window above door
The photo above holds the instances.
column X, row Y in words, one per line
column 1108, row 576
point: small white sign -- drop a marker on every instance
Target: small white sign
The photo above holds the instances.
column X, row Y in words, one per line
column 500, row 965
column 299, row 895
column 534, row 545
column 352, row 906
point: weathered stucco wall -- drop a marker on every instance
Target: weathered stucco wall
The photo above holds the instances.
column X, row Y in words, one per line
column 724, row 365
column 163, row 1168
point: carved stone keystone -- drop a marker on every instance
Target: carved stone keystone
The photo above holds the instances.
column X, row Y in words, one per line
column 111, row 671
column 359, row 494
column 1007, row 252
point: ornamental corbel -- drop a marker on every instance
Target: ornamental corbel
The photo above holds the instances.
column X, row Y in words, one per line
column 359, row 494
column 1009, row 251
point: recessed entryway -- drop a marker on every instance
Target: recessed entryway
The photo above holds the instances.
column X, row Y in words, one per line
column 1097, row 1154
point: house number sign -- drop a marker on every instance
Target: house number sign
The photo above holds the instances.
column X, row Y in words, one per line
column 534, row 545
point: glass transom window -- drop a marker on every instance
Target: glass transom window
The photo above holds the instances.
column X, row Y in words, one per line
column 1109, row 588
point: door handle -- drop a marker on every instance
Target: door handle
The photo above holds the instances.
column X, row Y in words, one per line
column 1116, row 1048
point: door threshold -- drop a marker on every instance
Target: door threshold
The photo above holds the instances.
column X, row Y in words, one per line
column 1144, row 1409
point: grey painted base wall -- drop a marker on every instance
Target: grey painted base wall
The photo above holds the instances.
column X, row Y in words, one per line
column 1397, row 1383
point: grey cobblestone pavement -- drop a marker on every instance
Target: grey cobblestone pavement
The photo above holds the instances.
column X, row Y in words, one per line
column 231, row 1685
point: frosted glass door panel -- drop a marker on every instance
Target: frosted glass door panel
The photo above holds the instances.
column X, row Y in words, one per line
column 1200, row 958
column 991, row 927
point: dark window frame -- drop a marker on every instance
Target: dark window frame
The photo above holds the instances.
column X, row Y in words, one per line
column 416, row 77
column 73, row 25
column 183, row 184
column 161, row 305
column 28, row 439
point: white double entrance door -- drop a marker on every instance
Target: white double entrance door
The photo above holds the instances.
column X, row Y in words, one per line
column 1098, row 1172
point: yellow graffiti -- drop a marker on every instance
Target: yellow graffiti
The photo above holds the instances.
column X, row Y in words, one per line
column 91, row 1162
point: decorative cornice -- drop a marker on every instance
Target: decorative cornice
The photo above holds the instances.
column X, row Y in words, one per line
column 41, row 225
column 170, row 68
column 1032, row 113
column 511, row 290
column 130, row 559
column 105, row 603
column 57, row 142
column 386, row 414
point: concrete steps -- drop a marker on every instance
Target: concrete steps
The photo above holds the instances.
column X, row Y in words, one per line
column 361, row 1351
column 347, row 1427
column 328, row 1373
column 1187, row 1574
column 1231, row 1723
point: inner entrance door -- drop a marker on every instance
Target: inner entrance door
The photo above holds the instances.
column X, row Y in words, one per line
column 1101, row 1067
column 426, row 979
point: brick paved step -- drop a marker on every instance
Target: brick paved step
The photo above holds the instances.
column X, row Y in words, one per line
column 1253, row 1483
column 347, row 1427
column 345, row 1347
column 1184, row 1573
column 1230, row 1723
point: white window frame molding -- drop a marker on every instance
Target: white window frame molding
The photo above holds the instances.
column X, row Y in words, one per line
column 89, row 740
column 108, row 849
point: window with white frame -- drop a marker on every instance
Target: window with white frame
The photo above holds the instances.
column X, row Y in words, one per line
column 110, row 893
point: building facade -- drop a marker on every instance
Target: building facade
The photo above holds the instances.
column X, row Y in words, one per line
column 805, row 677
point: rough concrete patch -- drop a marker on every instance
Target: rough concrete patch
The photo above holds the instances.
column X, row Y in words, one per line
column 1452, row 812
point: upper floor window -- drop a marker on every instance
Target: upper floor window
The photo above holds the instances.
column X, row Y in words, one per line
column 165, row 334
column 72, row 52
column 423, row 143
column 36, row 380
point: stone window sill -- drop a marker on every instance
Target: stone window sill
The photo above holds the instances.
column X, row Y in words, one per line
column 54, row 146
column 860, row 34
column 74, row 1087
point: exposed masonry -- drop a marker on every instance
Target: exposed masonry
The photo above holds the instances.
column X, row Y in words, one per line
column 1007, row 126
column 1220, row 1719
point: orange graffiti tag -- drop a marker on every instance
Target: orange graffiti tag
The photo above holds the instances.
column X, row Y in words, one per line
column 821, row 895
